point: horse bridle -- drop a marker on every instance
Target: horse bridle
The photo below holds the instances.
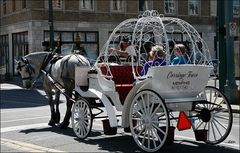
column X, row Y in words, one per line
column 30, row 70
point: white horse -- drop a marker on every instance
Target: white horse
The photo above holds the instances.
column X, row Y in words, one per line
column 57, row 72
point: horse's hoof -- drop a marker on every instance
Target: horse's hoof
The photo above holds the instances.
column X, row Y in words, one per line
column 63, row 125
column 51, row 123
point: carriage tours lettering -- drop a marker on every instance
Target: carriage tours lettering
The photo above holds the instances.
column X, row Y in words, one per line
column 181, row 80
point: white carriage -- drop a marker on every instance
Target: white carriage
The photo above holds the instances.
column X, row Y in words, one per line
column 149, row 103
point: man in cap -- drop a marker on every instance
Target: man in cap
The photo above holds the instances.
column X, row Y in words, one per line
column 121, row 50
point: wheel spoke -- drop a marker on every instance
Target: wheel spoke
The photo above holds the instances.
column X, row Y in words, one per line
column 220, row 104
column 141, row 108
column 85, row 128
column 140, row 132
column 85, row 110
column 137, row 126
column 139, row 113
column 205, row 125
column 144, row 104
column 216, row 128
column 220, row 123
column 148, row 103
column 148, row 137
column 210, row 100
column 214, row 135
column 199, row 124
column 158, row 137
column 220, row 117
column 153, row 139
column 143, row 139
column 86, row 123
column 151, row 109
column 214, row 102
column 159, row 129
column 155, row 110
column 219, row 110
column 80, row 129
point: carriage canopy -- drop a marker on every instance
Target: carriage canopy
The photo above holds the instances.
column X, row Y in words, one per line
column 151, row 29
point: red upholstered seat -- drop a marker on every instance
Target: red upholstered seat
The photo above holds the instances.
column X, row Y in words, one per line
column 123, row 78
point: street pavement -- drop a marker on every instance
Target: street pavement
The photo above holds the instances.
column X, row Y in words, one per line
column 24, row 117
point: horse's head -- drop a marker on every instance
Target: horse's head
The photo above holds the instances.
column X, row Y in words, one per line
column 26, row 71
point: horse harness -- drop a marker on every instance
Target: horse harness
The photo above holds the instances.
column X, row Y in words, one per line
column 28, row 67
column 51, row 59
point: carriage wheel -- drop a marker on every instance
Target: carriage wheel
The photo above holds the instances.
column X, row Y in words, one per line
column 149, row 121
column 82, row 118
column 215, row 115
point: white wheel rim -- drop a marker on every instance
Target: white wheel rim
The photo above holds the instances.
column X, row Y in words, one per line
column 81, row 119
column 149, row 125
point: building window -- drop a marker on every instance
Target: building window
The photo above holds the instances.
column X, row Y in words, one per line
column 193, row 7
column 20, row 46
column 4, row 6
column 24, row 4
column 236, row 8
column 13, row 5
column 145, row 5
column 4, row 50
column 117, row 5
column 68, row 39
column 170, row 6
column 86, row 4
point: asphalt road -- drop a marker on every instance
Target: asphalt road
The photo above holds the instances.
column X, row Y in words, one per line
column 24, row 118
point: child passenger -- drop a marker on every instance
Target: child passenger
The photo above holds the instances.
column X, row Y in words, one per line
column 181, row 56
column 156, row 58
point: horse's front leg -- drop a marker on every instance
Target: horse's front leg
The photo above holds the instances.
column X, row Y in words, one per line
column 57, row 115
column 48, row 91
column 52, row 121
column 68, row 113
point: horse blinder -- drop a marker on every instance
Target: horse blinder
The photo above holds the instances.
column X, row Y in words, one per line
column 29, row 68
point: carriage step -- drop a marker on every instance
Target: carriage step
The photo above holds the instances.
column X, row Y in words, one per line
column 201, row 135
column 107, row 129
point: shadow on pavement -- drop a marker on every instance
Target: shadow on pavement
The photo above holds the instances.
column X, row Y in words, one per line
column 14, row 96
column 55, row 129
column 125, row 143
column 19, row 98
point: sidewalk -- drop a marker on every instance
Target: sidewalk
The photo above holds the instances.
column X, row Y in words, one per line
column 17, row 81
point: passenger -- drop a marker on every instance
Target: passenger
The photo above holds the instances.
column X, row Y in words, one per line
column 181, row 56
column 121, row 50
column 156, row 58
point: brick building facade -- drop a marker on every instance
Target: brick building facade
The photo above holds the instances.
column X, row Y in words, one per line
column 24, row 23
